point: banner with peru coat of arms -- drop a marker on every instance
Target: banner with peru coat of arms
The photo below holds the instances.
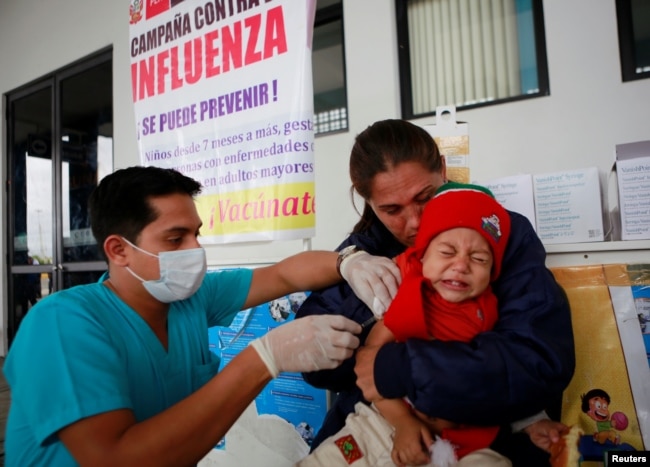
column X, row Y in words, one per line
column 222, row 92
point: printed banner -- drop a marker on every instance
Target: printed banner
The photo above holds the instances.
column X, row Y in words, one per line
column 223, row 92
column 609, row 395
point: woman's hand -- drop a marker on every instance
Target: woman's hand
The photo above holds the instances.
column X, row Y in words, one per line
column 365, row 371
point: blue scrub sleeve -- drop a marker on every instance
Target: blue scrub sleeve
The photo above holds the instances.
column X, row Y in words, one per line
column 82, row 383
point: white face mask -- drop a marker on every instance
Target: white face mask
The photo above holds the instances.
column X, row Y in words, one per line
column 181, row 273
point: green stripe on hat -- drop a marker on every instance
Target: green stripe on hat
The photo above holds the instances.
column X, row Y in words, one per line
column 455, row 186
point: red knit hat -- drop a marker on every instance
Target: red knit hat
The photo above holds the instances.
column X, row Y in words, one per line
column 464, row 205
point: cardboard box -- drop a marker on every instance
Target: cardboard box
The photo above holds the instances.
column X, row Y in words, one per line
column 568, row 207
column 633, row 177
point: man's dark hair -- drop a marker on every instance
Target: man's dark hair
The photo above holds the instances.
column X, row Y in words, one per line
column 120, row 203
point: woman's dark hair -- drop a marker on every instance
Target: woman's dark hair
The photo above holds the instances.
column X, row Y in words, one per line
column 120, row 203
column 382, row 146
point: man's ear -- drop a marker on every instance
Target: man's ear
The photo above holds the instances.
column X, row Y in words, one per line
column 115, row 251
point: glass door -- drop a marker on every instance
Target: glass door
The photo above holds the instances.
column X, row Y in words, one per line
column 60, row 144
column 30, row 199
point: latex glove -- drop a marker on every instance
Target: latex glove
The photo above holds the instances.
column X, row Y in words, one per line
column 374, row 279
column 308, row 344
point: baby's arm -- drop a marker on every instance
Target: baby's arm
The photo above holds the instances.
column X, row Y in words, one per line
column 379, row 334
column 412, row 438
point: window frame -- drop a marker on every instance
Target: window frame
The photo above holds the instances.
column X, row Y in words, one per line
column 626, row 42
column 404, row 63
column 324, row 16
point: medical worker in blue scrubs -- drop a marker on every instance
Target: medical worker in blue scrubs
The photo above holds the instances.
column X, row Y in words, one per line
column 119, row 372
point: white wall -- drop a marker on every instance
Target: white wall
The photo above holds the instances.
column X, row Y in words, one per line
column 588, row 112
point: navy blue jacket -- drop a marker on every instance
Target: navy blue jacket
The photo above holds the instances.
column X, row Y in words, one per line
column 509, row 373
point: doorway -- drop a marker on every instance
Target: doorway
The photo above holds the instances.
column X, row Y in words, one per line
column 59, row 145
